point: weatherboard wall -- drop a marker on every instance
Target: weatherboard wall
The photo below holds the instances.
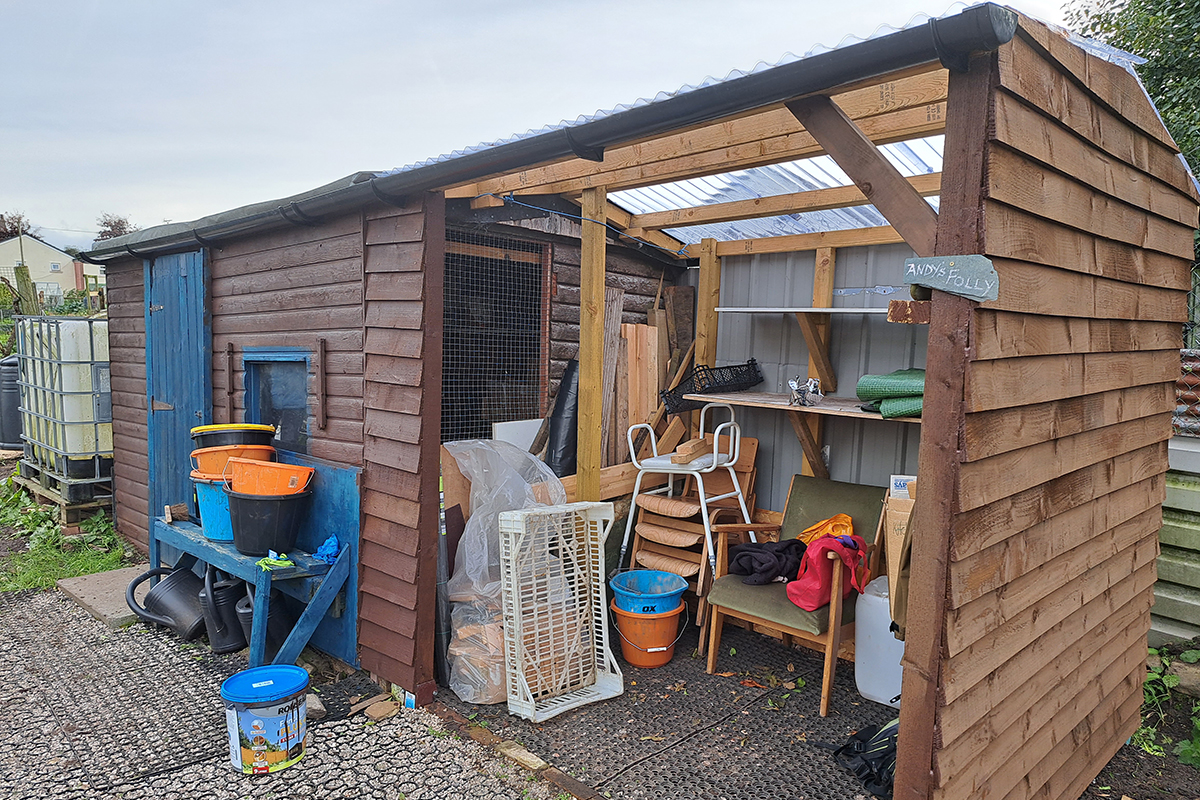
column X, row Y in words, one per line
column 1031, row 602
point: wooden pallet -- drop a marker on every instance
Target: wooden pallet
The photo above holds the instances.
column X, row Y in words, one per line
column 49, row 490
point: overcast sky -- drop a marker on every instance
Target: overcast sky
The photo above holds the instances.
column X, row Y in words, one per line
column 175, row 110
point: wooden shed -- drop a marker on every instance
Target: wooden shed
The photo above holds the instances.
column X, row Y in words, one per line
column 1042, row 460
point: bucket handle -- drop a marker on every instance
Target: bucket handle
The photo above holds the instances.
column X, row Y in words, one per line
column 144, row 614
column 209, row 601
column 682, row 629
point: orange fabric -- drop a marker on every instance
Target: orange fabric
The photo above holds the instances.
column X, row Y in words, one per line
column 837, row 525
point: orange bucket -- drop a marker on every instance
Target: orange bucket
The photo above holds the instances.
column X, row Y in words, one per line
column 268, row 478
column 647, row 640
column 211, row 462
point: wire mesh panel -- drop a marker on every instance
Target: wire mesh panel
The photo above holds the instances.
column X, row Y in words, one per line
column 493, row 353
column 555, row 622
column 66, row 397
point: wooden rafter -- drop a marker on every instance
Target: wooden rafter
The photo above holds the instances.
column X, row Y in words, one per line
column 853, row 237
column 777, row 205
column 890, row 111
column 878, row 178
column 620, row 218
column 591, row 345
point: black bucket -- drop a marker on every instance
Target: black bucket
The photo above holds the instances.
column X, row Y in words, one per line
column 219, row 601
column 266, row 522
column 279, row 620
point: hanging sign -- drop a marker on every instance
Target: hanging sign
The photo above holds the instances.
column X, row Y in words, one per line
column 972, row 277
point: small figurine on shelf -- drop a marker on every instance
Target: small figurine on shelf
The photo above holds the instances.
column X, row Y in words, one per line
column 807, row 392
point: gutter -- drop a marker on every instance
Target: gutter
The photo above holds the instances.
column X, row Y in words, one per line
column 950, row 40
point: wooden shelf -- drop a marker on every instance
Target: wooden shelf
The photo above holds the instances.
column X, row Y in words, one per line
column 830, row 406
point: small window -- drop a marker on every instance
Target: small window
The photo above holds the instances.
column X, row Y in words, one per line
column 277, row 394
column 55, row 266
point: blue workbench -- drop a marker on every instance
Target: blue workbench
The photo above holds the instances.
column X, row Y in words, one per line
column 329, row 592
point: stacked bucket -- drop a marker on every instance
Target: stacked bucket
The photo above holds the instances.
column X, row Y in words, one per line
column 244, row 495
column 647, row 604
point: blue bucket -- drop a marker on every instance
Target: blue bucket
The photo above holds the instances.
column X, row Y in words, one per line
column 214, row 510
column 265, row 712
column 647, row 591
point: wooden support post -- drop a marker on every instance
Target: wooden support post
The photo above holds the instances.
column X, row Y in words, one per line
column 708, row 297
column 880, row 181
column 593, row 243
column 818, row 359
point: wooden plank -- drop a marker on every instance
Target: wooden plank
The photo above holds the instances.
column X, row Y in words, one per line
column 621, row 389
column 990, row 433
column 1109, row 84
column 395, row 230
column 824, row 263
column 882, row 184
column 1023, row 72
column 1022, row 236
column 494, row 253
column 808, row 443
column 405, row 257
column 268, row 303
column 960, row 230
column 1008, row 382
column 388, row 425
column 1000, row 334
column 1032, row 289
column 775, row 205
column 591, row 343
column 1025, row 563
column 830, row 406
column 818, row 349
column 908, row 312
column 855, row 237
column 408, row 314
column 1022, row 751
column 1020, row 182
column 615, row 481
column 614, row 301
column 1107, row 585
column 273, row 277
column 394, row 286
column 982, row 482
column 283, row 238
column 987, row 710
column 393, row 342
column 622, row 220
column 1026, row 130
column 724, row 137
column 708, row 297
column 309, row 319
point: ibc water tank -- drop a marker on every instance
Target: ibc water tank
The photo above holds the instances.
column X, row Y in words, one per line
column 877, row 652
column 66, row 394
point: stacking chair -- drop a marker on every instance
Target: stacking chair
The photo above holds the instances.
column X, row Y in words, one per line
column 810, row 500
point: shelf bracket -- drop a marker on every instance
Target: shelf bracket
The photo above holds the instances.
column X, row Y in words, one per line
column 812, row 450
column 818, row 349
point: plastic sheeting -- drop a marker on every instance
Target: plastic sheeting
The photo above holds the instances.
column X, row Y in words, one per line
column 503, row 478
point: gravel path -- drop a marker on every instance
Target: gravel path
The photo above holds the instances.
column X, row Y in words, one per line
column 86, row 712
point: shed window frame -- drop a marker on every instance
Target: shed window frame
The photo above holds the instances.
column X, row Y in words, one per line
column 252, row 358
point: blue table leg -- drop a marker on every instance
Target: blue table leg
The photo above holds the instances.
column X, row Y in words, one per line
column 258, row 631
column 314, row 612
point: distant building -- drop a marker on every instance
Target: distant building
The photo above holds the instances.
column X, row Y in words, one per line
column 54, row 272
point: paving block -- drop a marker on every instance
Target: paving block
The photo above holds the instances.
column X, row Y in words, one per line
column 103, row 594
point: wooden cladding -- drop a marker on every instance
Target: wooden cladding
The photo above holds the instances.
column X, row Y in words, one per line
column 127, row 357
column 1052, row 497
column 402, row 398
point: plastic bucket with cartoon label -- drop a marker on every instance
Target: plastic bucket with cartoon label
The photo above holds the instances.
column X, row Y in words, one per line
column 265, row 716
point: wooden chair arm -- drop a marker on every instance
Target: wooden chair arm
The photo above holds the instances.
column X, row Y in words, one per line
column 742, row 527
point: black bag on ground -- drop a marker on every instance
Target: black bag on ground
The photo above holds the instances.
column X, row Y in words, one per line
column 870, row 756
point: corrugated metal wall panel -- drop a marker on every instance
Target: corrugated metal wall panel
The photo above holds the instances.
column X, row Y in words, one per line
column 865, row 451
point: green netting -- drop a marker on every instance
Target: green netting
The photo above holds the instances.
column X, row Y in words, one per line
column 891, row 407
column 901, row 383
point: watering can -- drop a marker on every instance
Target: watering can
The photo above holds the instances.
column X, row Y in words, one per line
column 173, row 602
column 218, row 601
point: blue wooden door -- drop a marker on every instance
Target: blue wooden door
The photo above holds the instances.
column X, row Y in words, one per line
column 178, row 371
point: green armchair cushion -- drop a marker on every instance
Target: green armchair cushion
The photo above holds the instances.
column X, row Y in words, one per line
column 771, row 603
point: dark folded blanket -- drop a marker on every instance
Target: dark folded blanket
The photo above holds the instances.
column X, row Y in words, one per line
column 763, row 562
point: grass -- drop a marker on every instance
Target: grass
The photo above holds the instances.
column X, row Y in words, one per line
column 51, row 555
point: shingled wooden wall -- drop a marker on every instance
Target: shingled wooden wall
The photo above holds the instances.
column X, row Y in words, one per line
column 404, row 261
column 1059, row 396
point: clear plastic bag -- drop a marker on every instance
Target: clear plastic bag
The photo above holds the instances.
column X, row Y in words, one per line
column 503, row 478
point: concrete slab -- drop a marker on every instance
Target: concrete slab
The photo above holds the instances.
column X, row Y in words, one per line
column 103, row 594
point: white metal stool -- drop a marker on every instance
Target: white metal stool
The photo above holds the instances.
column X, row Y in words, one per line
column 724, row 456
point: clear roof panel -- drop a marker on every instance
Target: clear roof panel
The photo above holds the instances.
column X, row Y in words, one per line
column 913, row 157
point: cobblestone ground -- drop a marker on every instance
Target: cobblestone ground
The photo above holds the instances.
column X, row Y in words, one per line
column 86, row 712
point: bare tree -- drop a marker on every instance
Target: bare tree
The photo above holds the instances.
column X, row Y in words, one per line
column 114, row 225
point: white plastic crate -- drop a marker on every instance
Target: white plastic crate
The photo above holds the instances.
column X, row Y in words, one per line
column 556, row 651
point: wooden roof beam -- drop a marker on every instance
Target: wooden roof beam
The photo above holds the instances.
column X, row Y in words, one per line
column 853, row 151
column 853, row 237
column 731, row 140
column 622, row 219
column 777, row 205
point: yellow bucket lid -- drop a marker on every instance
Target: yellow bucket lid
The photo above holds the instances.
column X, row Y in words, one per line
column 237, row 426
